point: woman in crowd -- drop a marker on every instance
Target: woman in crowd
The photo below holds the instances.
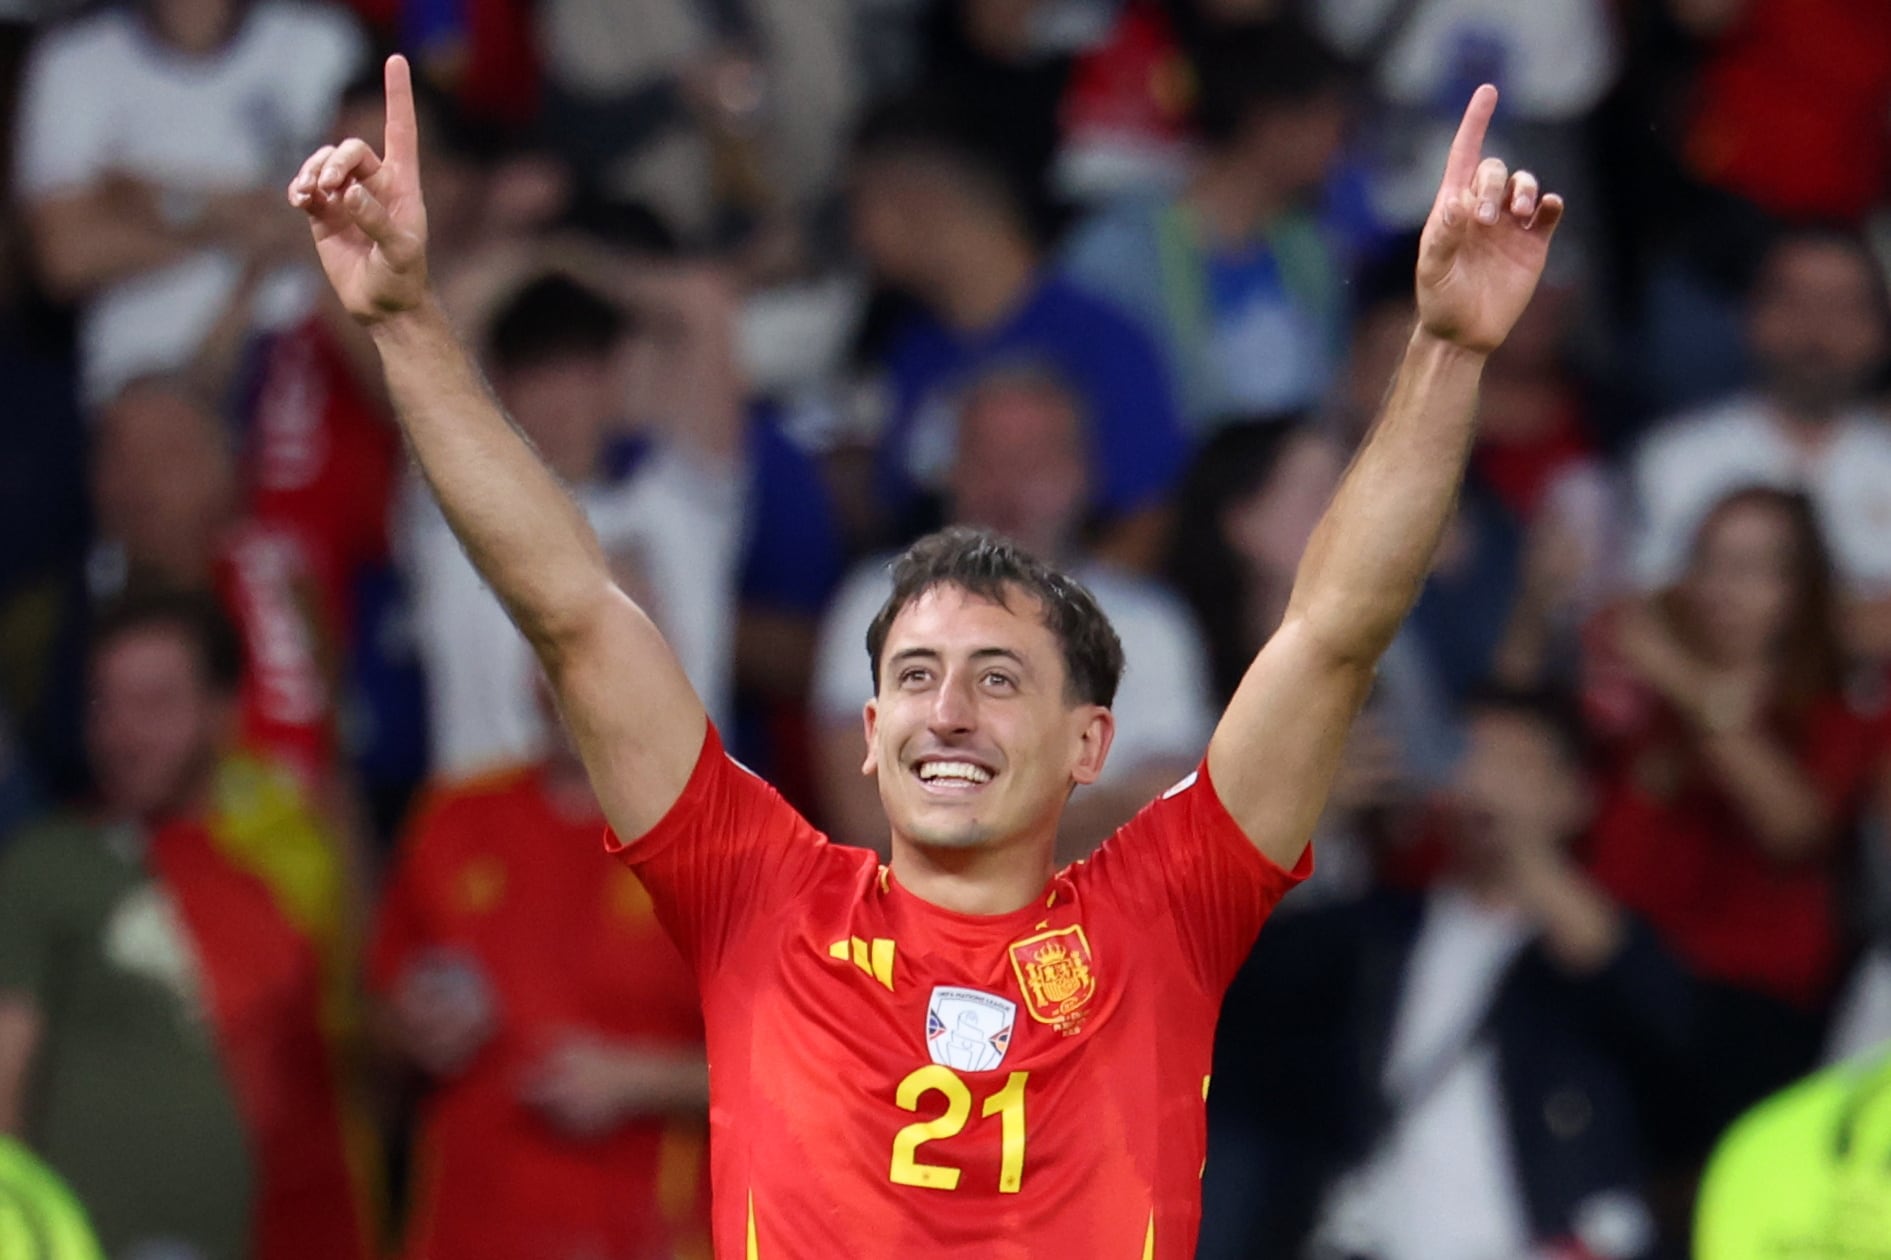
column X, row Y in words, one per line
column 1732, row 758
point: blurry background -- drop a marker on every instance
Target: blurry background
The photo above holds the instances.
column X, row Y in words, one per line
column 289, row 963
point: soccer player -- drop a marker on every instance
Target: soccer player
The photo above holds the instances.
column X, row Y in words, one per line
column 965, row 1053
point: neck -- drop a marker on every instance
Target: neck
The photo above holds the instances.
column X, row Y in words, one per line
column 1805, row 424
column 1235, row 201
column 983, row 280
column 995, row 880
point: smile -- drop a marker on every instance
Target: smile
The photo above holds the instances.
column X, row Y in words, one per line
column 943, row 775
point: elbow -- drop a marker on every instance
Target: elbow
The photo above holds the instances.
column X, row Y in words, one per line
column 564, row 628
column 1344, row 634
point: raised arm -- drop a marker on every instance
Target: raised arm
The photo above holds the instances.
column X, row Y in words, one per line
column 632, row 712
column 1275, row 752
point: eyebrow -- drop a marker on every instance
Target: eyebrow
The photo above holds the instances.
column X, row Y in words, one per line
column 980, row 654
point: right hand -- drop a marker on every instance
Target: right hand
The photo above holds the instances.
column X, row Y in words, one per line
column 366, row 214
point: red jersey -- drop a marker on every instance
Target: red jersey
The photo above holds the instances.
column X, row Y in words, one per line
column 567, row 944
column 893, row 1079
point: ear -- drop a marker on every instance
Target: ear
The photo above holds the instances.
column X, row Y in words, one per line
column 1097, row 733
column 870, row 716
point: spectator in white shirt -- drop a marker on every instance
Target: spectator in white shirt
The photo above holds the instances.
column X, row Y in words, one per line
column 153, row 144
column 1819, row 338
column 1020, row 469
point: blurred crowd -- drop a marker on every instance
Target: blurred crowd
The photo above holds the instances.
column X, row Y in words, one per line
column 307, row 945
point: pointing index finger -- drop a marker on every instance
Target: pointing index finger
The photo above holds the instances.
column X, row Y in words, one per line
column 401, row 141
column 1467, row 147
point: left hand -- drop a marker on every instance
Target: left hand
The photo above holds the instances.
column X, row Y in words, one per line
column 1485, row 242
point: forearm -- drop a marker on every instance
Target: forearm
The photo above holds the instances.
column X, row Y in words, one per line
column 1582, row 927
column 1372, row 550
column 87, row 241
column 1776, row 797
column 520, row 527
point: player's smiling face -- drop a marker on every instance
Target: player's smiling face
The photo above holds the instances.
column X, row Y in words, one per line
column 974, row 735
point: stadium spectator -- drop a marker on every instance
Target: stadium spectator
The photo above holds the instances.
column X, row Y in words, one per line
column 162, row 1020
column 1733, row 760
column 1020, row 470
column 1455, row 1074
column 569, row 363
column 557, row 1028
column 1235, row 277
column 1819, row 334
column 152, row 141
column 938, row 221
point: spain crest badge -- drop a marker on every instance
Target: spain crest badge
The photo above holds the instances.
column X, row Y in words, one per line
column 1057, row 975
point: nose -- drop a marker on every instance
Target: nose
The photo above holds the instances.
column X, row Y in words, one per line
column 954, row 707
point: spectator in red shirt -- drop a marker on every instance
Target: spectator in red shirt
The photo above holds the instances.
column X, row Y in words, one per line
column 1733, row 762
column 558, row 1027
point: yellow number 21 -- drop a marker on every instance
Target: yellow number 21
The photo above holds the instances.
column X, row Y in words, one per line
column 1007, row 1103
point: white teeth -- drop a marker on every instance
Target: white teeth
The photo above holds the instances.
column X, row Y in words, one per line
column 964, row 771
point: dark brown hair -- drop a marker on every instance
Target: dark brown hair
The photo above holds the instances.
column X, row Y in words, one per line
column 196, row 618
column 1810, row 654
column 990, row 567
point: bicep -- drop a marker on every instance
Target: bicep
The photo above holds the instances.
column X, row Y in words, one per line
column 21, row 1028
column 1277, row 747
column 630, row 711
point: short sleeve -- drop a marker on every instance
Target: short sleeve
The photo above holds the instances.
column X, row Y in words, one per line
column 729, row 855
column 1184, row 857
column 26, row 930
column 65, row 136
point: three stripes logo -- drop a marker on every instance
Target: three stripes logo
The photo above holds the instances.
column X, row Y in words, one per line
column 874, row 957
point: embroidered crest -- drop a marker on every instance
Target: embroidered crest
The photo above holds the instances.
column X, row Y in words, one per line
column 1056, row 975
column 967, row 1029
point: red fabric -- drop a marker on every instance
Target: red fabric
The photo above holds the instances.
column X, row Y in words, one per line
column 492, row 67
column 1673, row 847
column 567, row 943
column 263, row 990
column 324, row 461
column 1099, row 1070
column 1136, row 83
column 1520, row 472
column 1791, row 111
column 287, row 711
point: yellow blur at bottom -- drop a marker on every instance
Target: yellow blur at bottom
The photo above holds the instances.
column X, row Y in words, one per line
column 1805, row 1173
column 39, row 1218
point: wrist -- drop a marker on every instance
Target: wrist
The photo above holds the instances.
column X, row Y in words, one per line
column 424, row 321
column 1426, row 345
